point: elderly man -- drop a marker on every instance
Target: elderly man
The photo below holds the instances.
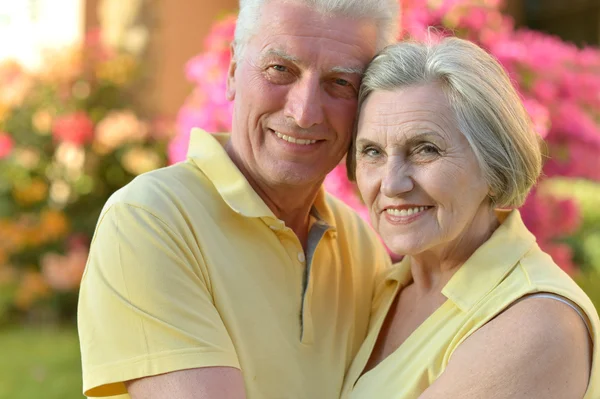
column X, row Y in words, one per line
column 233, row 275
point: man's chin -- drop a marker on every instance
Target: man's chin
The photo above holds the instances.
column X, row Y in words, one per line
column 295, row 175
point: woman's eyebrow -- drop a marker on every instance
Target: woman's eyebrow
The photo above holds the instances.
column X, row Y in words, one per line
column 423, row 136
column 363, row 142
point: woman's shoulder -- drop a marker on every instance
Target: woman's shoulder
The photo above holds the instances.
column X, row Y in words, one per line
column 534, row 345
column 542, row 274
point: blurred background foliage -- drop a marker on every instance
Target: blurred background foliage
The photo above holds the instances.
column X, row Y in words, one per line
column 78, row 128
column 72, row 134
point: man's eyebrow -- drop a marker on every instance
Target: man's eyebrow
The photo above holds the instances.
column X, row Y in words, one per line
column 281, row 54
column 348, row 70
column 276, row 52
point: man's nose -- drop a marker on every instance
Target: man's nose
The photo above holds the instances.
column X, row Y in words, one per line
column 397, row 179
column 304, row 103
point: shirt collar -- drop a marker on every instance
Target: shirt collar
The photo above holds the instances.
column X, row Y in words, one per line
column 207, row 152
column 491, row 262
column 488, row 265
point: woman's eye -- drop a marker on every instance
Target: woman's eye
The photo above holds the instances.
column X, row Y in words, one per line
column 371, row 152
column 428, row 149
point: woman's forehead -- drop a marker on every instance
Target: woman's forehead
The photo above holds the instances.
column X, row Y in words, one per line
column 406, row 112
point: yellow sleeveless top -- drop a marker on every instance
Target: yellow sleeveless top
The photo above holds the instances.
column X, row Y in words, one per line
column 505, row 268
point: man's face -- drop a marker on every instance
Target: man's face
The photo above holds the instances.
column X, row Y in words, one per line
column 295, row 90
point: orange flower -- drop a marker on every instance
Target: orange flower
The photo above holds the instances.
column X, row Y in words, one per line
column 13, row 236
column 63, row 65
column 53, row 224
column 15, row 83
column 4, row 110
column 32, row 192
column 32, row 288
column 42, row 121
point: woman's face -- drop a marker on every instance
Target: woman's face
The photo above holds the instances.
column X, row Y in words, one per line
column 417, row 172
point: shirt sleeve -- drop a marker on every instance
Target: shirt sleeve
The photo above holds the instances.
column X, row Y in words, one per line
column 145, row 307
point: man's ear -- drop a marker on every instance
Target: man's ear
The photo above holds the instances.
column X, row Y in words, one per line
column 230, row 91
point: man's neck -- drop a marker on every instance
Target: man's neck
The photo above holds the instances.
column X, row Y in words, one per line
column 290, row 203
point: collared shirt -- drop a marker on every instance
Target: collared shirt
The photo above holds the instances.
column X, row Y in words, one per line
column 189, row 268
column 507, row 267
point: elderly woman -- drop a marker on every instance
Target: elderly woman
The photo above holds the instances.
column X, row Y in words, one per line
column 475, row 309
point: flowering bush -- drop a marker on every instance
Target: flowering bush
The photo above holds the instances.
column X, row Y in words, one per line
column 70, row 135
column 558, row 82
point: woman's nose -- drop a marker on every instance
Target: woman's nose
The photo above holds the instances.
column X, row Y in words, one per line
column 397, row 179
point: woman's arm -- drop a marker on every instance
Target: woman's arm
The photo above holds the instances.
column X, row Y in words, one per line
column 538, row 348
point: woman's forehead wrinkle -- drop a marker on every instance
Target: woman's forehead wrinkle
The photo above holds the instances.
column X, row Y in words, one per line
column 386, row 123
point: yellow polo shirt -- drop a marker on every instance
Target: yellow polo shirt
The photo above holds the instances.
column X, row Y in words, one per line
column 505, row 268
column 189, row 268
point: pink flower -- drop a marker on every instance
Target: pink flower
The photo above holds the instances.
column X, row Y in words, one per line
column 545, row 90
column 6, row 145
column 64, row 272
column 561, row 254
column 539, row 116
column 178, row 148
column 210, row 67
column 76, row 128
column 220, row 35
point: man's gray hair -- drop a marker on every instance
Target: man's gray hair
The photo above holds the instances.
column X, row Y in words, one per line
column 384, row 13
column 487, row 109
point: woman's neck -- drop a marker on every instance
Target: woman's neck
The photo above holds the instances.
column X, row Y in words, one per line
column 432, row 269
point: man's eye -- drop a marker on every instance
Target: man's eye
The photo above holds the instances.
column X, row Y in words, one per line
column 342, row 82
column 279, row 68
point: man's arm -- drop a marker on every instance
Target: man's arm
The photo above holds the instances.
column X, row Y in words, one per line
column 146, row 310
column 200, row 383
column 539, row 348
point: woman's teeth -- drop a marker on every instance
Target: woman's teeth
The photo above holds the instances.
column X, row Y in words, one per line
column 406, row 212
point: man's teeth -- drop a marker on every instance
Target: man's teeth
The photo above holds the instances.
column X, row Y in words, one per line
column 293, row 140
column 406, row 212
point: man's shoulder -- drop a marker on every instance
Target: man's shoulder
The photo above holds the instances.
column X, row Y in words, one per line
column 351, row 227
column 166, row 191
column 345, row 216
